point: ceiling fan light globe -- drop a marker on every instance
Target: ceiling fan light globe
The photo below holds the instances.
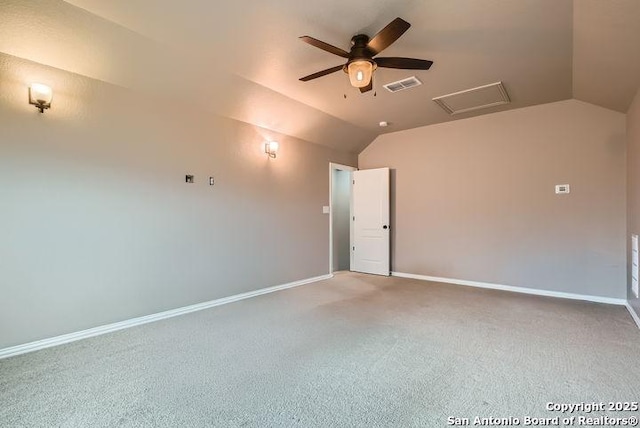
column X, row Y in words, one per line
column 360, row 73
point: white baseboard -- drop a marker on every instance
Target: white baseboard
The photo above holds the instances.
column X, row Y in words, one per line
column 560, row 294
column 634, row 315
column 96, row 331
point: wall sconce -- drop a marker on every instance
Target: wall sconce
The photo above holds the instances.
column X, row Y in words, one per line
column 271, row 148
column 40, row 96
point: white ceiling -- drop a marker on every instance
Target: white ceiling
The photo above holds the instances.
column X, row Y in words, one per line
column 243, row 59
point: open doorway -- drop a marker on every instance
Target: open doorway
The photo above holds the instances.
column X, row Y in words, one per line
column 340, row 202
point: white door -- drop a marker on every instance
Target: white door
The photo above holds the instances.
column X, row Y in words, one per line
column 371, row 221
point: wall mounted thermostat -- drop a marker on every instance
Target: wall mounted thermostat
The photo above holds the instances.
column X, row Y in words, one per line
column 562, row 188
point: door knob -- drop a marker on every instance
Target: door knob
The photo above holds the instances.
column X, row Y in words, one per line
column 385, row 226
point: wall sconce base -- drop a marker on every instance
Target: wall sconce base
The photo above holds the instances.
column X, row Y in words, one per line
column 41, row 107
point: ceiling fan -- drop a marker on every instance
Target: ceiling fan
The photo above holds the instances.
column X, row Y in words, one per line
column 361, row 63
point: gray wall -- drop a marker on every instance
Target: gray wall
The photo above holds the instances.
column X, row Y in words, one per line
column 341, row 211
column 474, row 198
column 633, row 183
column 97, row 224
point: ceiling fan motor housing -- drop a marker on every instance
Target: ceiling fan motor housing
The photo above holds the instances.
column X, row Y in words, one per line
column 359, row 52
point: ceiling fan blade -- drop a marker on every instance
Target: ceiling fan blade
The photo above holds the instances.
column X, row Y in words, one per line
column 321, row 73
column 325, row 46
column 404, row 63
column 368, row 87
column 388, row 35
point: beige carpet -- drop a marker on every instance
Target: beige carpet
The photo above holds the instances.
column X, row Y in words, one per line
column 353, row 351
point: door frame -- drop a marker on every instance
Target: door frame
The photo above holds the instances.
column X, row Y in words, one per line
column 336, row 166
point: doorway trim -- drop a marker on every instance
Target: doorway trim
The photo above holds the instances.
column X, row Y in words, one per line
column 336, row 166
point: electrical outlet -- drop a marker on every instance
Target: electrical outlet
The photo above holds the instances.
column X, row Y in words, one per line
column 562, row 188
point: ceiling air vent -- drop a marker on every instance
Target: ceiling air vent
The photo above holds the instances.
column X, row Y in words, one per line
column 409, row 82
column 484, row 96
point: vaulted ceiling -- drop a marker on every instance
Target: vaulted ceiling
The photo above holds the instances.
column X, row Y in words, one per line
column 243, row 59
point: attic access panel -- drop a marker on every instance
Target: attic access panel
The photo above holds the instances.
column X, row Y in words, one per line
column 493, row 94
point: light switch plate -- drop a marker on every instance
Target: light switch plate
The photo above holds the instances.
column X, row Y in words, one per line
column 325, row 209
